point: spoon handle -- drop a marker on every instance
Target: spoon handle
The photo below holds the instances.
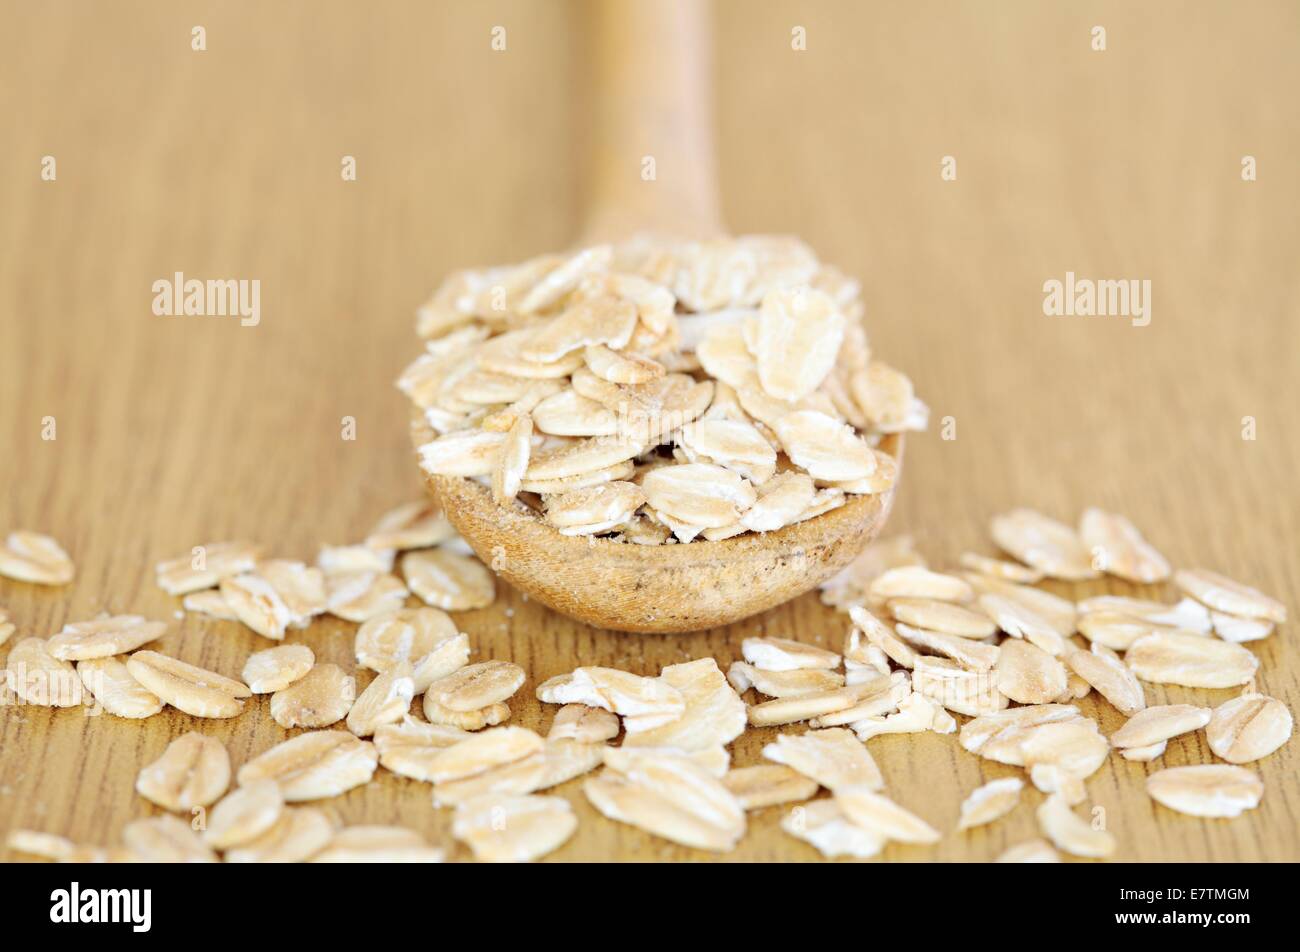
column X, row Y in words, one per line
column 652, row 160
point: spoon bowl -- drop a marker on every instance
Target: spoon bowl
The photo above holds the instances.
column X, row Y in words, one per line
column 658, row 588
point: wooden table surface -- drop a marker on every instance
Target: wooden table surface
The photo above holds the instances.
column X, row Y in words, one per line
column 226, row 163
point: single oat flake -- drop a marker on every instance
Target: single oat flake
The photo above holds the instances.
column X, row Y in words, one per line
column 1194, row 661
column 1118, row 548
column 205, row 566
column 103, row 637
column 274, row 669
column 1208, row 790
column 1072, row 833
column 323, row 696
column 194, row 771
column 187, row 687
column 766, row 785
column 244, row 815
column 501, row 828
column 477, row 686
column 32, row 557
column 833, row 757
column 1049, row 546
column 314, row 766
column 1248, row 727
column 990, row 802
column 1225, row 595
column 448, row 580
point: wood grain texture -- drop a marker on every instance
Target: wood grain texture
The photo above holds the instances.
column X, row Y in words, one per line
column 175, row 431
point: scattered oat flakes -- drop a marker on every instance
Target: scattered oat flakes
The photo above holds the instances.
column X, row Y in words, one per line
column 959, row 689
column 823, row 824
column 1110, row 677
column 39, row 678
column 916, row 714
column 673, row 797
column 519, row 777
column 408, row 749
column 1115, row 630
column 970, row 654
column 643, row 703
column 385, row 700
column 361, row 596
column 298, row 834
column 351, row 559
column 406, row 634
column 713, row 716
column 111, row 684
column 880, row 635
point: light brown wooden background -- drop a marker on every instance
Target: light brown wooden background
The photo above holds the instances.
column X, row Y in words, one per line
column 225, row 163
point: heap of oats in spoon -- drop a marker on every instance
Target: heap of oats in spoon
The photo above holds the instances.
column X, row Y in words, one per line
column 657, row 391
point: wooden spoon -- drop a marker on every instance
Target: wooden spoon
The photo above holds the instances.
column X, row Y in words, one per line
column 651, row 67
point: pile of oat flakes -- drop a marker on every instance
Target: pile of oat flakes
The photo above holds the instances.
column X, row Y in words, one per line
column 979, row 642
column 657, row 391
